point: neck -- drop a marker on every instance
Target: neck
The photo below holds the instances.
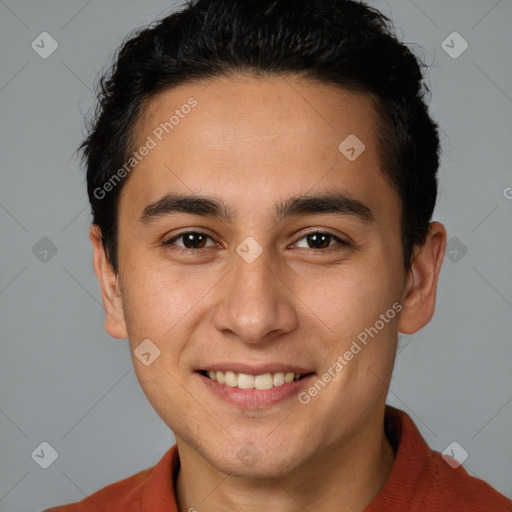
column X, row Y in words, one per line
column 344, row 477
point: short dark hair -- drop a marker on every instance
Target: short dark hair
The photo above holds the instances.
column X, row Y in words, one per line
column 341, row 42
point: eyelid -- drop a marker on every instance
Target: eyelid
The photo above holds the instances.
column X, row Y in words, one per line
column 167, row 241
column 341, row 241
column 326, row 231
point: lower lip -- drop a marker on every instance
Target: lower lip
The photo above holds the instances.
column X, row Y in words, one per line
column 255, row 398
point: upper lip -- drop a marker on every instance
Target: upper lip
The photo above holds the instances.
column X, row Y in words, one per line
column 252, row 369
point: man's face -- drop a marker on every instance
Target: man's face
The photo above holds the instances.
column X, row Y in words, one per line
column 260, row 292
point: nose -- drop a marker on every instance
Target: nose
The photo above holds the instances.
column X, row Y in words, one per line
column 256, row 305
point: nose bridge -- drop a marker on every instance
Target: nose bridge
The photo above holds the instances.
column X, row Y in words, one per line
column 254, row 281
column 253, row 303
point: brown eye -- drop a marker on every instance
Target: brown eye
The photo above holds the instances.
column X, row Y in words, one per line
column 192, row 240
column 321, row 240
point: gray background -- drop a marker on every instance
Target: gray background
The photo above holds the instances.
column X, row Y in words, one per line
column 63, row 380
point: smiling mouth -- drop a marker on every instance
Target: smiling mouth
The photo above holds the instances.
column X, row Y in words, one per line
column 245, row 381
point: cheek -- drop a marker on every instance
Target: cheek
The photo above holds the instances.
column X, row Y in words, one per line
column 344, row 301
column 157, row 299
column 155, row 307
column 165, row 306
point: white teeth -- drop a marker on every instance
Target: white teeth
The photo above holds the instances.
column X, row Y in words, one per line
column 245, row 381
column 264, row 381
column 231, row 379
column 278, row 379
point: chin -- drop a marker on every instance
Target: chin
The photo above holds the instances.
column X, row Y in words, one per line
column 270, row 467
column 252, row 460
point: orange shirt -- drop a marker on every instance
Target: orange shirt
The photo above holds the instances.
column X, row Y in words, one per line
column 420, row 481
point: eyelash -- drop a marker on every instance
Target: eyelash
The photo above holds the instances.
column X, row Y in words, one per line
column 169, row 241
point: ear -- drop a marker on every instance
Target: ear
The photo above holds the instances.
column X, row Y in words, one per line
column 112, row 300
column 419, row 298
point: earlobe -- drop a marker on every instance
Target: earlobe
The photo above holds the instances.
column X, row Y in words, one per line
column 421, row 284
column 112, row 301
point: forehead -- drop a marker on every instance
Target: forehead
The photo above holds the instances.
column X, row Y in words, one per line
column 247, row 139
column 230, row 111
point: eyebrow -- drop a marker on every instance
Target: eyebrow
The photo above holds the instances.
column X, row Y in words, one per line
column 334, row 203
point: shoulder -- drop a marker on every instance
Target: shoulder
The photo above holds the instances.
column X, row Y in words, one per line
column 152, row 487
column 455, row 489
column 122, row 495
column 424, row 480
